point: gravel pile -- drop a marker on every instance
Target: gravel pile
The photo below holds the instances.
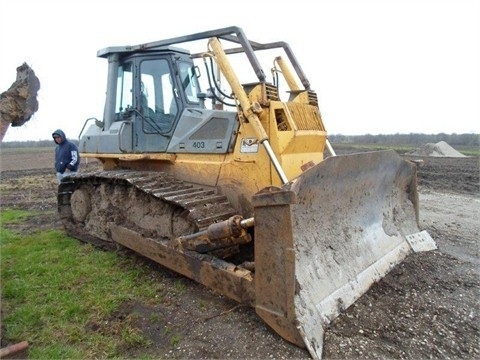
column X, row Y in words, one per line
column 439, row 149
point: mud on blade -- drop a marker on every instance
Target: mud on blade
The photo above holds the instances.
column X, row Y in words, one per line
column 335, row 230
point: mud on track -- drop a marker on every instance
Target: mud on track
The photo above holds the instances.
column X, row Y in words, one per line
column 427, row 307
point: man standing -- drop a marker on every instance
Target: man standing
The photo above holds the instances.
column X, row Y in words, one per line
column 67, row 158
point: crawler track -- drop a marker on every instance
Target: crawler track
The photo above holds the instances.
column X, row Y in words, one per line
column 153, row 204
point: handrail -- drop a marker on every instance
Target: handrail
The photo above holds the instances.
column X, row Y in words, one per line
column 120, row 145
column 85, row 124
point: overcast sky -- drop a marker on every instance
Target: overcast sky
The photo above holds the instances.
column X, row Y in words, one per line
column 379, row 67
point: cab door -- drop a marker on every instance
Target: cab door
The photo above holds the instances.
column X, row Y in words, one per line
column 155, row 103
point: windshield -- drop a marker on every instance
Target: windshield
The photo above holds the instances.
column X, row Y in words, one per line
column 189, row 82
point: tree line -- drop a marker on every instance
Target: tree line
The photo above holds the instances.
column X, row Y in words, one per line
column 394, row 139
column 407, row 139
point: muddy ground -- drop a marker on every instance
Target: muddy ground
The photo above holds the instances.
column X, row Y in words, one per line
column 426, row 308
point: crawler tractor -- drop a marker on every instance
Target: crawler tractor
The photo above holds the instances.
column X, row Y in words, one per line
column 230, row 186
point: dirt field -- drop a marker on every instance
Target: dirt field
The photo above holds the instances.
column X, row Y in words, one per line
column 426, row 308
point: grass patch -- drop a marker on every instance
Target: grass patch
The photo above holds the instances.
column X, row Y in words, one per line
column 180, row 286
column 401, row 149
column 59, row 295
column 469, row 151
column 14, row 216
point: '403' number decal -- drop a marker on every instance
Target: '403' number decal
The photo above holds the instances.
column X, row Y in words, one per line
column 199, row 145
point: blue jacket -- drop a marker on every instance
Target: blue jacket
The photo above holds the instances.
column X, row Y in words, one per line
column 66, row 154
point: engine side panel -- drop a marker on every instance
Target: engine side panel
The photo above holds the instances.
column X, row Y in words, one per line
column 204, row 131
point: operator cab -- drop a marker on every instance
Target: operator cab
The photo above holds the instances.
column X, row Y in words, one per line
column 155, row 87
column 149, row 93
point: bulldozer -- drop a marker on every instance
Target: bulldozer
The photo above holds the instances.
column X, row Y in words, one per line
column 238, row 187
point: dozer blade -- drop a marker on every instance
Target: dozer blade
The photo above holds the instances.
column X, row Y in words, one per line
column 322, row 240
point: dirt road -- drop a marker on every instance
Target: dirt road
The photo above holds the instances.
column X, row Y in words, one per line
column 427, row 307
